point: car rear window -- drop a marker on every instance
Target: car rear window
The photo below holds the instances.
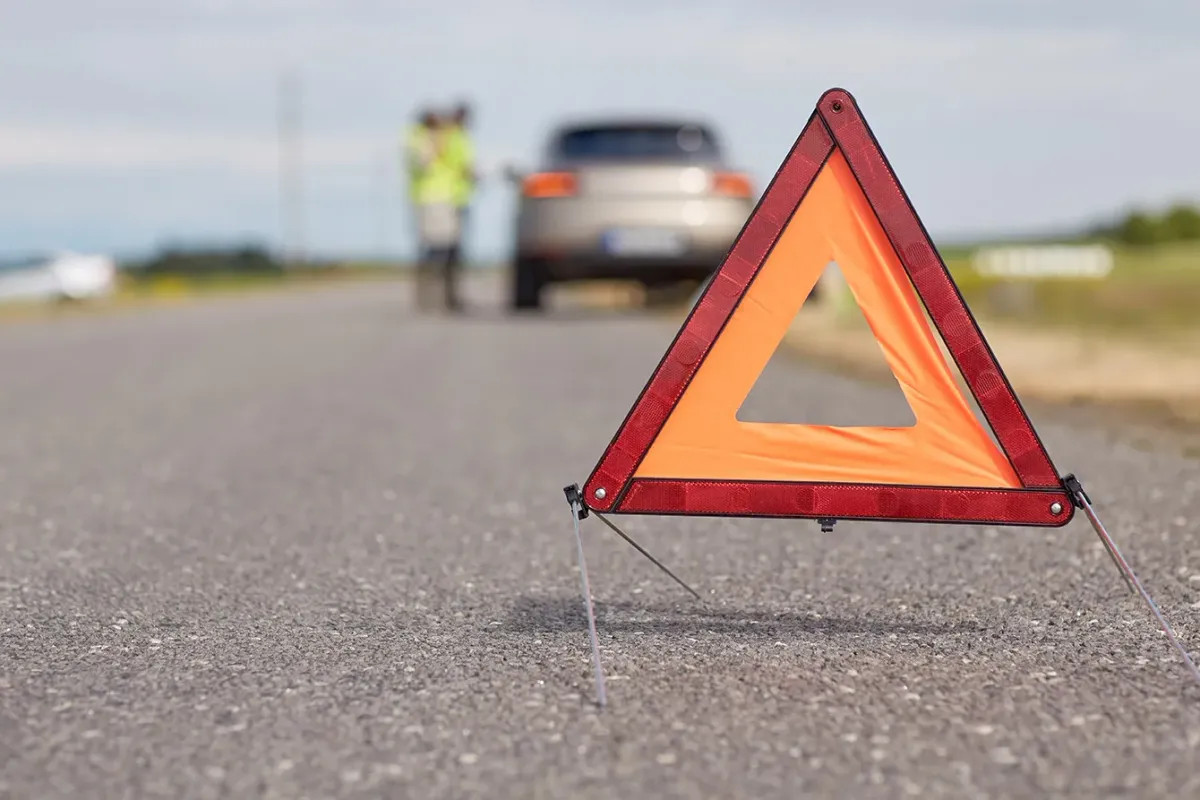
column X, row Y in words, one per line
column 670, row 142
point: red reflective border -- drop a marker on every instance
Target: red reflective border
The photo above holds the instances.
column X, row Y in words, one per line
column 934, row 504
column 937, row 291
column 836, row 121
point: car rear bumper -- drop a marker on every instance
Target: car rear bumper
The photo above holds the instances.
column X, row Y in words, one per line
column 620, row 233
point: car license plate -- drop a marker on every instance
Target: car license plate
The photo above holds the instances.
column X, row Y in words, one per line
column 643, row 242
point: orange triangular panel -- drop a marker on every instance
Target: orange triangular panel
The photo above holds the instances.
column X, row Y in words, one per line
column 682, row 450
column 702, row 437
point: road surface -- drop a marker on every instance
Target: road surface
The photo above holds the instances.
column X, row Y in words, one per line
column 314, row 545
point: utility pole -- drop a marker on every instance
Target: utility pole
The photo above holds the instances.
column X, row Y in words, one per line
column 291, row 166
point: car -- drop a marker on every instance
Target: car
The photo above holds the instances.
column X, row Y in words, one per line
column 58, row 276
column 649, row 200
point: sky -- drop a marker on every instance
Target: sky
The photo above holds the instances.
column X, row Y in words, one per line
column 127, row 124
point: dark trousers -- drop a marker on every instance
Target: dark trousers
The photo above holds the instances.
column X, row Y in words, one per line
column 438, row 265
column 456, row 252
column 444, row 263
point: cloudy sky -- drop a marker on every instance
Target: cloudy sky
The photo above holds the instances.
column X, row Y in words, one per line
column 125, row 123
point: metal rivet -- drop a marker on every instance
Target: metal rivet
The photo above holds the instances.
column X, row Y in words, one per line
column 837, row 106
column 1056, row 508
column 600, row 493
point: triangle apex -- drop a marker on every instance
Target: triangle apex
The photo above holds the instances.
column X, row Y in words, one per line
column 835, row 98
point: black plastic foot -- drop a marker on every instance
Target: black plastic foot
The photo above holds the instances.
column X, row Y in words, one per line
column 575, row 499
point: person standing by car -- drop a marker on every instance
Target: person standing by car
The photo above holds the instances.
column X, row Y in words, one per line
column 433, row 191
column 419, row 152
column 460, row 150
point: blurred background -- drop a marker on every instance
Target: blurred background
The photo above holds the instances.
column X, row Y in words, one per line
column 310, row 544
column 256, row 138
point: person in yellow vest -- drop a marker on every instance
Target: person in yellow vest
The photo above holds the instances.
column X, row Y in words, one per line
column 433, row 192
column 419, row 150
column 460, row 150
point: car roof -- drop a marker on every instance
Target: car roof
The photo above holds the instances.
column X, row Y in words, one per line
column 630, row 121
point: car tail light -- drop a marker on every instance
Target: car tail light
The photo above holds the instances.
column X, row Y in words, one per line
column 549, row 184
column 732, row 184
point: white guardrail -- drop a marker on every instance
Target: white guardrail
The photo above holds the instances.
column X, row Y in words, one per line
column 1049, row 261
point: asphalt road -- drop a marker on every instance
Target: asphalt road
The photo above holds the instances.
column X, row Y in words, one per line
column 315, row 545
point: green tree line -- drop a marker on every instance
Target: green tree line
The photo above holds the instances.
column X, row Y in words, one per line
column 207, row 261
column 1178, row 223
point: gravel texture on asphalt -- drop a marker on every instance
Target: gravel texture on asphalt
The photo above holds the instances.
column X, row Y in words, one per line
column 314, row 545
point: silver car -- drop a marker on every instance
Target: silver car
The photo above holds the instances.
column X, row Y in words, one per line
column 649, row 200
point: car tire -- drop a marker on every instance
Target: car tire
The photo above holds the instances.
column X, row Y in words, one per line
column 528, row 282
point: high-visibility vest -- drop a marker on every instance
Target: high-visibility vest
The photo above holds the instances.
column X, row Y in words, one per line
column 431, row 175
column 416, row 139
column 461, row 154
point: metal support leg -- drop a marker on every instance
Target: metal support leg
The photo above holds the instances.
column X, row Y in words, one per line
column 649, row 557
column 1131, row 578
column 601, row 699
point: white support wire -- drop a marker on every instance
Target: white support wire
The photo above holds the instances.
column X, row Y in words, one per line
column 1132, row 579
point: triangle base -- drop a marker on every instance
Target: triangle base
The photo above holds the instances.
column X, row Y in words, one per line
column 1045, row 508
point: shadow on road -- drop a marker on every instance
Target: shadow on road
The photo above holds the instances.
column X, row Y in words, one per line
column 537, row 615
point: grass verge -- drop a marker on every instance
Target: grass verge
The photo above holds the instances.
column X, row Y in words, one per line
column 164, row 290
column 1150, row 292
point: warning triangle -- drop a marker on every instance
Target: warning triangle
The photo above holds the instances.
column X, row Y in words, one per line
column 681, row 448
